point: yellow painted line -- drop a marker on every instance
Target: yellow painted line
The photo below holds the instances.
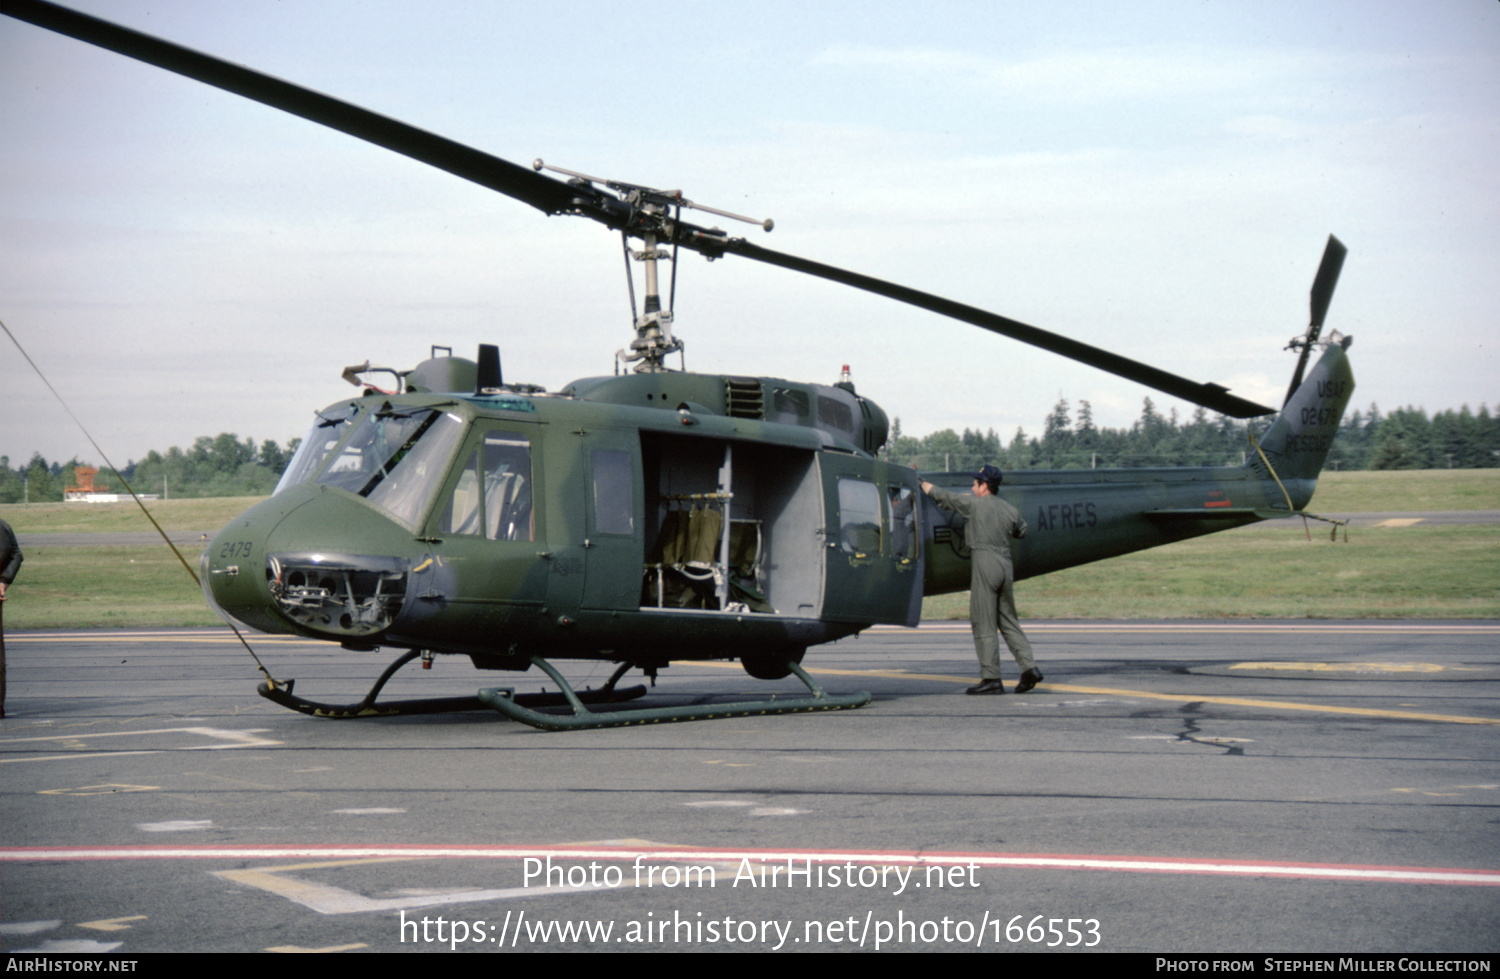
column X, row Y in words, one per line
column 167, row 637
column 240, row 739
column 87, row 754
column 1235, row 628
column 299, row 949
column 111, row 924
column 1399, row 522
column 1274, row 704
column 957, row 625
column 888, row 674
column 1175, row 698
column 107, row 788
column 1345, row 667
column 229, row 739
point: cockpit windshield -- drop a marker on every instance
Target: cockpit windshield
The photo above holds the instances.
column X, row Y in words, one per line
column 395, row 458
column 327, row 432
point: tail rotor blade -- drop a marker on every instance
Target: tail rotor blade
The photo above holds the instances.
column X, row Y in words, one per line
column 1328, row 277
column 1321, row 296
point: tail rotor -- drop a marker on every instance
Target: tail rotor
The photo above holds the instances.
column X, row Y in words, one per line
column 1322, row 295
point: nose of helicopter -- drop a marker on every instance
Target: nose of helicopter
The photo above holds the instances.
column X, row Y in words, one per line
column 310, row 561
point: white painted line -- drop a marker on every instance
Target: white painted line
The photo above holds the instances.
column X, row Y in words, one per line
column 367, row 812
column 328, row 899
column 176, row 826
column 756, row 809
column 29, row 927
column 75, row 946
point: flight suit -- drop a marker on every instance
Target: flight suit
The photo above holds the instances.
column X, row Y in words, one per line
column 991, row 525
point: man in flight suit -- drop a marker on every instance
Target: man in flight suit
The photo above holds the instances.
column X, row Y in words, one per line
column 990, row 525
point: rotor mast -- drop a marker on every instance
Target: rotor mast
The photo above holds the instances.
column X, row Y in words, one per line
column 654, row 217
column 653, row 327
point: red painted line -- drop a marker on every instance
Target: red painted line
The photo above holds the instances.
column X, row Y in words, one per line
column 1371, row 873
column 1219, row 503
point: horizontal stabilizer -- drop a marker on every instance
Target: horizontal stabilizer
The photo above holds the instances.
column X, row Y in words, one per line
column 1222, row 513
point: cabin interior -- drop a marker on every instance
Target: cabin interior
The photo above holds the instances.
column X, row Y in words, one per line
column 731, row 526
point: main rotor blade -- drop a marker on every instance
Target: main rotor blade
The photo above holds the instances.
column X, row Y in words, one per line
column 1318, row 300
column 522, row 183
column 555, row 197
column 1212, row 396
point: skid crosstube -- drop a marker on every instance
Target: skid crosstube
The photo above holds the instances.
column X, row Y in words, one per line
column 283, row 695
column 582, row 718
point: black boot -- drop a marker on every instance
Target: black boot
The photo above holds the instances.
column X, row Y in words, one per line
column 987, row 686
column 1028, row 680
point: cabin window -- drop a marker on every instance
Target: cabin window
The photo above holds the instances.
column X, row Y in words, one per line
column 837, row 416
column 790, row 407
column 463, row 513
column 614, row 505
column 493, row 499
column 859, row 517
column 507, row 487
column 903, row 523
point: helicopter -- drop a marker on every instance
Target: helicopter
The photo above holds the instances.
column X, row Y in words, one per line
column 658, row 515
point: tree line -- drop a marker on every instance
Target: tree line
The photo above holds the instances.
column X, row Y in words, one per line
column 1406, row 438
column 214, row 466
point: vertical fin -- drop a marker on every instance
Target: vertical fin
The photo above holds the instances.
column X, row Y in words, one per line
column 1298, row 443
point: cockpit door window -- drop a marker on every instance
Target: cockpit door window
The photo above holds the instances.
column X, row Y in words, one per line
column 493, row 500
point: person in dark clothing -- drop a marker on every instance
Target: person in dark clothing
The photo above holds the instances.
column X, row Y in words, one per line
column 10, row 563
column 990, row 525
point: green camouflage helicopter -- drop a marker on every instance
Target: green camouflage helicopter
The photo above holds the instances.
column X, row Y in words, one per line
column 659, row 515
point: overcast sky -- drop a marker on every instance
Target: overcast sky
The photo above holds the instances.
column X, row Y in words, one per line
column 1157, row 179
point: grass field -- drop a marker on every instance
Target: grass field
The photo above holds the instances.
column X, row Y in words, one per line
column 1382, row 572
column 1422, row 489
column 1415, row 572
column 111, row 518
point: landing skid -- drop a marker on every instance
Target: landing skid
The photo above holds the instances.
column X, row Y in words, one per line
column 367, row 707
column 502, row 700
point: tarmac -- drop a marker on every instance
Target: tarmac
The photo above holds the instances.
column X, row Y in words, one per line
column 1173, row 787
